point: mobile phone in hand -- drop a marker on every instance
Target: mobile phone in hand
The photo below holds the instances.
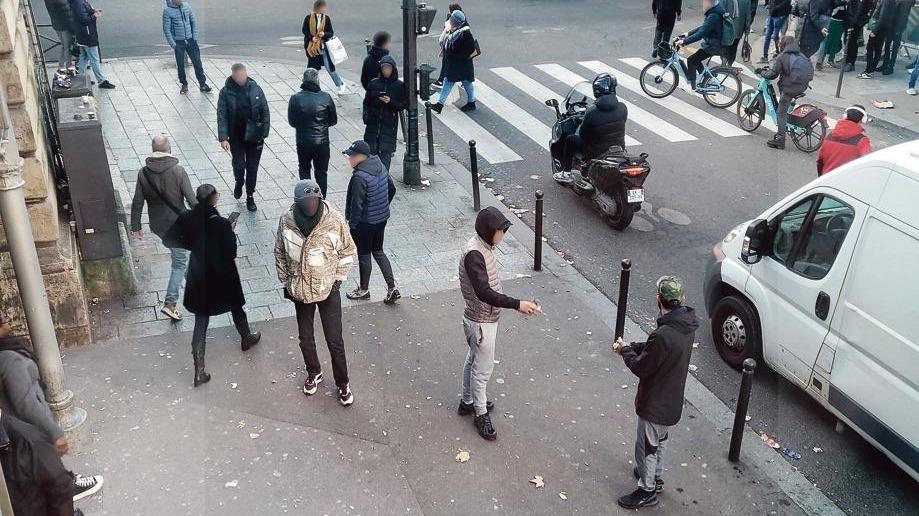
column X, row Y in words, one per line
column 233, row 216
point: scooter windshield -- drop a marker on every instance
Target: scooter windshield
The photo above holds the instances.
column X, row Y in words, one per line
column 579, row 94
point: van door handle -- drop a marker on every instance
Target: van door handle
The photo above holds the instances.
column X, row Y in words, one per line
column 822, row 308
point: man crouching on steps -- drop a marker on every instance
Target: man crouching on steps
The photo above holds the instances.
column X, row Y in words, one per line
column 481, row 289
column 661, row 365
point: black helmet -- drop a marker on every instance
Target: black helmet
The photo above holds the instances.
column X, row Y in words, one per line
column 604, row 84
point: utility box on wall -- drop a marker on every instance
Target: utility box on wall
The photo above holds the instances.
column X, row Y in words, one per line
column 89, row 178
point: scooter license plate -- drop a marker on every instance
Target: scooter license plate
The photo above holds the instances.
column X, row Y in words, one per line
column 635, row 195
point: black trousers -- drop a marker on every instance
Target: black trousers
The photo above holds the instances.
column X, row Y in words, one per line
column 694, row 64
column 385, row 157
column 246, row 157
column 199, row 335
column 875, row 48
column 369, row 241
column 573, row 145
column 782, row 116
column 852, row 45
column 314, row 155
column 49, row 491
column 663, row 30
column 891, row 48
column 330, row 316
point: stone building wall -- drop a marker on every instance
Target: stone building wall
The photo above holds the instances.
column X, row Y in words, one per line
column 55, row 242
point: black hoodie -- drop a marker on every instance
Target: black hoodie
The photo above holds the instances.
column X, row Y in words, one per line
column 487, row 223
column 371, row 66
column 661, row 364
column 604, row 125
column 382, row 119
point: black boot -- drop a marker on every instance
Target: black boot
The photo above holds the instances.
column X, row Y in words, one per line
column 250, row 203
column 250, row 340
column 776, row 143
column 200, row 375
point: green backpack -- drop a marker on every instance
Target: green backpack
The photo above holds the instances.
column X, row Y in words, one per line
column 728, row 30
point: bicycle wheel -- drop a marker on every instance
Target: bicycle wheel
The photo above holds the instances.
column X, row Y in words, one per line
column 811, row 138
column 750, row 110
column 658, row 79
column 729, row 81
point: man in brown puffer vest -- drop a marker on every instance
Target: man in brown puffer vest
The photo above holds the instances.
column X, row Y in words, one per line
column 481, row 289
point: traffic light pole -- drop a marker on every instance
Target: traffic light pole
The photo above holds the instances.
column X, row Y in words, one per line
column 411, row 165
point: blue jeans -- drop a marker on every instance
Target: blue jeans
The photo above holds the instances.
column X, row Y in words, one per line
column 194, row 53
column 328, row 66
column 772, row 32
column 913, row 76
column 179, row 264
column 90, row 56
column 448, row 86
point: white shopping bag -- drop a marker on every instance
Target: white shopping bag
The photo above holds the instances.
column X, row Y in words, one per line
column 337, row 52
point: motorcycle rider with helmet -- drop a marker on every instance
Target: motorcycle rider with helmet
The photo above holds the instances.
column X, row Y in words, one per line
column 603, row 126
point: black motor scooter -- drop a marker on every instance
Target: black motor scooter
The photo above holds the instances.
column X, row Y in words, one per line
column 614, row 180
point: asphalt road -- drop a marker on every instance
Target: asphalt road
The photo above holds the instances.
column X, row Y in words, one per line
column 698, row 190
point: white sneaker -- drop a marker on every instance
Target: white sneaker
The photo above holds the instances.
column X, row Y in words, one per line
column 563, row 177
column 343, row 89
column 911, row 91
column 345, row 397
column 86, row 486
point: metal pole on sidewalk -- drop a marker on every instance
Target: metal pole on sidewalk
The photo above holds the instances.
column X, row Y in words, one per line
column 623, row 297
column 411, row 164
column 842, row 69
column 6, row 506
column 474, row 169
column 740, row 414
column 18, row 228
column 429, row 120
column 537, row 245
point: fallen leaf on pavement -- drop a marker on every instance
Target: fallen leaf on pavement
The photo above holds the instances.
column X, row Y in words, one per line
column 563, row 495
column 537, row 481
column 232, row 483
column 818, row 449
column 462, row 456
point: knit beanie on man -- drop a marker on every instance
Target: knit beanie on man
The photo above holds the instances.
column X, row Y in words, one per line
column 311, row 76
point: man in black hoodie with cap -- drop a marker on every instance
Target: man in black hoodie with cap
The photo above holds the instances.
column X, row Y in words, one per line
column 481, row 289
column 661, row 365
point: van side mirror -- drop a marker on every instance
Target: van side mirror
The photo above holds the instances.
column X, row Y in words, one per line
column 754, row 242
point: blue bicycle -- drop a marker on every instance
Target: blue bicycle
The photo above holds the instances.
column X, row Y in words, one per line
column 807, row 123
column 720, row 86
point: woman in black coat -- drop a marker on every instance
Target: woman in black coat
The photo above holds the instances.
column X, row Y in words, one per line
column 212, row 285
column 384, row 99
column 317, row 30
column 460, row 48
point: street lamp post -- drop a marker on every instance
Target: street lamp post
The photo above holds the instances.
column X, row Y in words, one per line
column 18, row 227
column 411, row 165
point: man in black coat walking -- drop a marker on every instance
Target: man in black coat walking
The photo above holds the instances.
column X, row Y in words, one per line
column 243, row 123
column 311, row 112
column 382, row 42
column 661, row 365
column 87, row 35
column 667, row 12
column 384, row 99
column 213, row 286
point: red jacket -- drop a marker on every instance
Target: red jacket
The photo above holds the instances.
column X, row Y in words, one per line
column 847, row 142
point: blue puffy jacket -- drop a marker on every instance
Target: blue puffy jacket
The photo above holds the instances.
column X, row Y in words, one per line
column 369, row 193
column 710, row 31
column 179, row 23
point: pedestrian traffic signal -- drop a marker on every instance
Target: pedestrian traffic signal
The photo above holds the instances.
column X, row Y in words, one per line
column 424, row 19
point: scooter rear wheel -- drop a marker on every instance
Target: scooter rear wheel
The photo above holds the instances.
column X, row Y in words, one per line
column 624, row 212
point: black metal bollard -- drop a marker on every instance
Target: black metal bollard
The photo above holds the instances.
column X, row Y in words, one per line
column 428, row 118
column 740, row 415
column 623, row 297
column 537, row 246
column 474, row 168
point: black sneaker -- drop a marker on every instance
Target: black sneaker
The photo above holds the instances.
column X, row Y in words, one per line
column 437, row 108
column 392, row 295
column 776, row 143
column 238, row 191
column 637, row 499
column 250, row 203
column 105, row 85
column 468, row 410
column 470, row 106
column 183, row 90
column 658, row 481
column 86, row 486
column 485, row 428
column 205, row 89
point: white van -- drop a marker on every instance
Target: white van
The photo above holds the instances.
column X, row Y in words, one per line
column 824, row 287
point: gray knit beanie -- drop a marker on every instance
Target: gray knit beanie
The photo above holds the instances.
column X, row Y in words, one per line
column 306, row 188
column 311, row 76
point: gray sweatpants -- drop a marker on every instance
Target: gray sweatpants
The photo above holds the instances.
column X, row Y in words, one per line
column 649, row 447
column 480, row 362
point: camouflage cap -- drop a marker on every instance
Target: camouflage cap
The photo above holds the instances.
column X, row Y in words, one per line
column 670, row 288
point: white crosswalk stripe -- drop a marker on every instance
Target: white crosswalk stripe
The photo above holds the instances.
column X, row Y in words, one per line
column 513, row 114
column 684, row 109
column 638, row 115
column 489, row 147
column 526, row 84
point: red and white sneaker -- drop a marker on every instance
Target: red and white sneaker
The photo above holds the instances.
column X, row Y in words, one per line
column 312, row 384
column 345, row 397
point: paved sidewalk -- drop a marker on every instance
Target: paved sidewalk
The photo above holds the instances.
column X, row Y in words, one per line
column 250, row 443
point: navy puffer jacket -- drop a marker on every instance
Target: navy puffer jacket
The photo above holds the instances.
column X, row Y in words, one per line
column 369, row 193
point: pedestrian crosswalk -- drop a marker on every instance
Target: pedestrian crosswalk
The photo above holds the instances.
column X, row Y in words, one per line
column 516, row 96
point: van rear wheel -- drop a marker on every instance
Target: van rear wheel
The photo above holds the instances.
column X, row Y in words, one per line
column 735, row 331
